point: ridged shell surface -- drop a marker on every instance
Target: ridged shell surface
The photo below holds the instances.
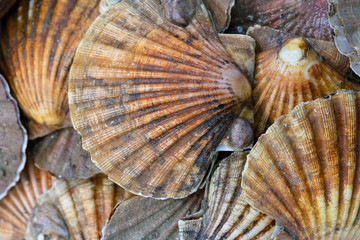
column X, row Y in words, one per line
column 13, row 140
column 152, row 99
column 289, row 74
column 296, row 17
column 344, row 17
column 16, row 207
column 148, row 218
column 76, row 209
column 62, row 155
column 38, row 43
column 305, row 172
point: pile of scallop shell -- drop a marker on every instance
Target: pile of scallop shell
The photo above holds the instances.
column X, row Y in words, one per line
column 180, row 119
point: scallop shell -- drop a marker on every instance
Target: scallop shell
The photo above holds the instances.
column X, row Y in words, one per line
column 76, row 209
column 220, row 12
column 13, row 140
column 61, row 154
column 5, row 6
column 38, row 43
column 296, row 17
column 151, row 99
column 147, row 218
column 16, row 207
column 304, row 171
column 287, row 75
column 345, row 20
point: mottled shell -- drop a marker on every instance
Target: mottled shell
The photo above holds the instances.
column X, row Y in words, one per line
column 147, row 218
column 289, row 74
column 38, row 43
column 76, row 209
column 5, row 6
column 304, row 171
column 62, row 155
column 152, row 99
column 16, row 207
column 345, row 20
column 13, row 140
column 296, row 17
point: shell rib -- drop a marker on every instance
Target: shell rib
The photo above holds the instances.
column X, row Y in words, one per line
column 38, row 43
column 345, row 20
column 61, row 154
column 76, row 209
column 152, row 99
column 296, row 17
column 289, row 74
column 13, row 140
column 304, row 171
column 16, row 207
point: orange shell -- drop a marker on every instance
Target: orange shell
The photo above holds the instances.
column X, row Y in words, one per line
column 304, row 171
column 152, row 99
column 38, row 43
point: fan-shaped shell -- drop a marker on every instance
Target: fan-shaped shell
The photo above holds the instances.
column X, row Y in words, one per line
column 147, row 218
column 152, row 99
column 76, row 209
column 5, row 6
column 304, row 171
column 16, row 207
column 296, row 17
column 13, row 140
column 38, row 43
column 61, row 154
column 345, row 19
column 289, row 74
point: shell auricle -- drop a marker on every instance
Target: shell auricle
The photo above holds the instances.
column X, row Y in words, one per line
column 304, row 171
column 38, row 43
column 153, row 99
column 13, row 140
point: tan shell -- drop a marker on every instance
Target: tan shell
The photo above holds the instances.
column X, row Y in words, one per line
column 289, row 74
column 75, row 209
column 61, row 154
column 147, row 218
column 16, row 207
column 220, row 12
column 304, row 170
column 5, row 6
column 38, row 43
column 345, row 20
column 13, row 140
column 151, row 99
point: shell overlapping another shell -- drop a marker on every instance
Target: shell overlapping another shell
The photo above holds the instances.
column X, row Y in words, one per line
column 16, row 207
column 304, row 171
column 76, row 209
column 152, row 99
column 38, row 43
column 13, row 140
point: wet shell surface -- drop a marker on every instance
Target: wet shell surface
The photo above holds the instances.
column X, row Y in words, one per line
column 75, row 209
column 345, row 20
column 61, row 154
column 38, row 43
column 148, row 218
column 289, row 74
column 304, row 171
column 13, row 140
column 16, row 207
column 296, row 17
column 152, row 99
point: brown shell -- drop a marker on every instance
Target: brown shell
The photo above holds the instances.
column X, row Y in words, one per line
column 38, row 43
column 220, row 12
column 147, row 218
column 13, row 140
column 296, row 17
column 345, row 20
column 304, row 171
column 289, row 74
column 151, row 99
column 5, row 6
column 16, row 207
column 76, row 209
column 106, row 4
column 61, row 154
